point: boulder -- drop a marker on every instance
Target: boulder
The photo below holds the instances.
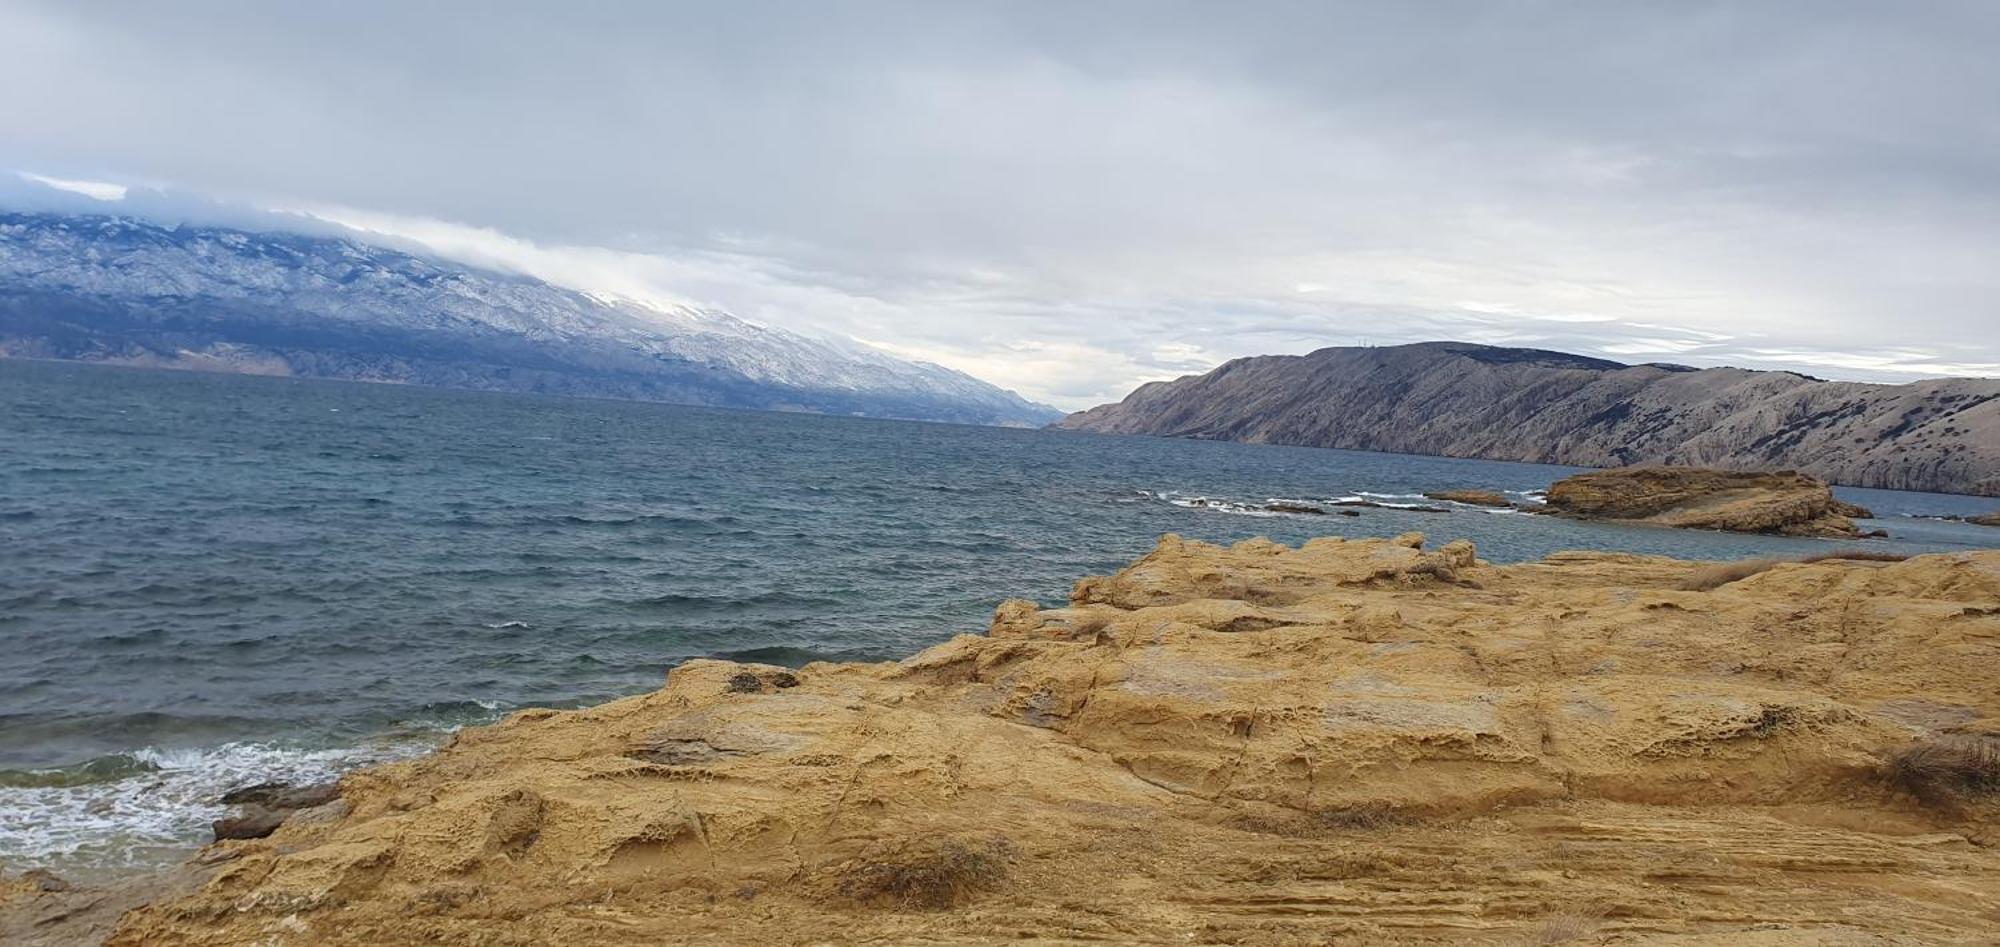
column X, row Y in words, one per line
column 249, row 821
column 260, row 808
column 1472, row 497
column 283, row 796
column 1783, row 503
column 1286, row 506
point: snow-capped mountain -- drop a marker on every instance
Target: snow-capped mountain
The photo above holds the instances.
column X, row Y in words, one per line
column 122, row 289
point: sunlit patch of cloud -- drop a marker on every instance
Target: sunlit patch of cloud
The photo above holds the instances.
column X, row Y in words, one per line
column 1895, row 364
column 95, row 190
column 1651, row 346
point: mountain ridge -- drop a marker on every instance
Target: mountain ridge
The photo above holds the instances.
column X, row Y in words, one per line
column 88, row 287
column 1461, row 399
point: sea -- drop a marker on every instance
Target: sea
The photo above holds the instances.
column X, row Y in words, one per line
column 213, row 580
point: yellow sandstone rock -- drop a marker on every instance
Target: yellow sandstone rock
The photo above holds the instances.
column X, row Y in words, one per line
column 1357, row 742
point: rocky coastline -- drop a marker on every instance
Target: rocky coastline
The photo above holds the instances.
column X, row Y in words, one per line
column 1458, row 399
column 1369, row 741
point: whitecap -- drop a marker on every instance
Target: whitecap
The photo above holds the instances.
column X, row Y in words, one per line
column 1215, row 504
column 153, row 817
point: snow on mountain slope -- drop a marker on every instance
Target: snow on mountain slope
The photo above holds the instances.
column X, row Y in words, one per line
column 127, row 290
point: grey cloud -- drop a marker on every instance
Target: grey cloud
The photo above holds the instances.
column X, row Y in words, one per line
column 1109, row 178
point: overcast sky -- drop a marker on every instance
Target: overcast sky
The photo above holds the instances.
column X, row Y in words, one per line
column 1071, row 198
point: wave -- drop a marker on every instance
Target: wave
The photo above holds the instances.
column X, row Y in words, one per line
column 1212, row 504
column 685, row 603
column 145, row 807
column 789, row 656
column 102, row 769
column 668, row 520
column 1388, row 501
column 451, row 716
column 1293, row 507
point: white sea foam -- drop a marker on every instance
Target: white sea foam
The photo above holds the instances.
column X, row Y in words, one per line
column 1214, row 504
column 1393, row 501
column 153, row 817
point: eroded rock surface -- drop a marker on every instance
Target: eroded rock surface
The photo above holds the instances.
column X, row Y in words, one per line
column 1357, row 742
column 1784, row 503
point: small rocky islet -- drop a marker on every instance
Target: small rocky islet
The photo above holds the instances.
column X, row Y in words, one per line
column 1784, row 503
column 1780, row 503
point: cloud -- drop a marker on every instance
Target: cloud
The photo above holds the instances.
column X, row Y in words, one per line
column 1073, row 199
column 95, row 190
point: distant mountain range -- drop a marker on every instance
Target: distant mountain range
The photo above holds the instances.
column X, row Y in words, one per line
column 125, row 290
column 1461, row 400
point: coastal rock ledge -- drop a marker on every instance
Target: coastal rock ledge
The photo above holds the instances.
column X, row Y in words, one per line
column 1359, row 742
column 1782, row 503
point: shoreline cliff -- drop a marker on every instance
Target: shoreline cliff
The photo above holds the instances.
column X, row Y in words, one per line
column 1457, row 399
column 1359, row 742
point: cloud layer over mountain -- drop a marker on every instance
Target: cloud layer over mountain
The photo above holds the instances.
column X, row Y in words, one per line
column 1069, row 199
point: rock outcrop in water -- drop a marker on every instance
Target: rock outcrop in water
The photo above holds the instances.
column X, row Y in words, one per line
column 1784, row 503
column 1355, row 742
column 1461, row 400
column 1472, row 497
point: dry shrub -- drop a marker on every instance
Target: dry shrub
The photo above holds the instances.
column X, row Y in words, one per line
column 1723, row 573
column 929, row 876
column 1948, row 771
column 1855, row 555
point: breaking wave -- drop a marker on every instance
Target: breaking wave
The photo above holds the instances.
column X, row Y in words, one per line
column 120, row 812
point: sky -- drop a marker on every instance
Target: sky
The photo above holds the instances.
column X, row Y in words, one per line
column 1069, row 199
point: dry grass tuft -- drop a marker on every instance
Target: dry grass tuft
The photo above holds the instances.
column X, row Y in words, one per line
column 1323, row 822
column 1721, row 574
column 1855, row 555
column 1948, row 771
column 1566, row 928
column 929, row 876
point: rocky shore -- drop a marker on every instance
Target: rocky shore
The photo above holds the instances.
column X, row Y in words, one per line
column 1357, row 742
column 1457, row 399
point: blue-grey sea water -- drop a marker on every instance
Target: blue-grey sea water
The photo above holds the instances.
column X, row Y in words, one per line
column 212, row 579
